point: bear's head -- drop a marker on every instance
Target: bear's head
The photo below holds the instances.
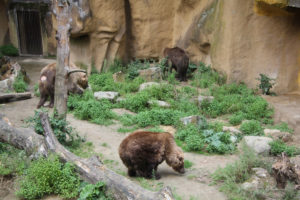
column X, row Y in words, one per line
column 176, row 161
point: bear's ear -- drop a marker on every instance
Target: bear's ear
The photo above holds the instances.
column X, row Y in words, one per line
column 180, row 158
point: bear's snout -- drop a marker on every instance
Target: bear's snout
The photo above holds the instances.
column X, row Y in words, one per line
column 182, row 171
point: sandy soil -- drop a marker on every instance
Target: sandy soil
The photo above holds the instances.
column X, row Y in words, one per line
column 106, row 139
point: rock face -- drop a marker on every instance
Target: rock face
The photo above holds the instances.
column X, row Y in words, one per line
column 258, row 143
column 148, row 84
column 260, row 36
column 277, row 134
column 151, row 74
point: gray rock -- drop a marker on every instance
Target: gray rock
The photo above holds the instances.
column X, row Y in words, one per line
column 119, row 99
column 277, row 134
column 106, row 95
column 160, row 103
column 192, row 120
column 261, row 179
column 259, row 144
column 205, row 98
column 151, row 74
column 148, row 84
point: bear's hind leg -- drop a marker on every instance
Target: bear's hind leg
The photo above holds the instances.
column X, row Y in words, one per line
column 131, row 172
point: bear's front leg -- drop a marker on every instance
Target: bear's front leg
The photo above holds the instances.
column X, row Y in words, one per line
column 131, row 172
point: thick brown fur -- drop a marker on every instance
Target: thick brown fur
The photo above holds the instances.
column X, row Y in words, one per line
column 142, row 152
column 76, row 83
column 178, row 60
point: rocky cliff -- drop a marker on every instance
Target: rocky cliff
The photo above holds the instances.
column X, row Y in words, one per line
column 240, row 38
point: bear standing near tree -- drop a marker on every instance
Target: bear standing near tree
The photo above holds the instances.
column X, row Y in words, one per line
column 142, row 152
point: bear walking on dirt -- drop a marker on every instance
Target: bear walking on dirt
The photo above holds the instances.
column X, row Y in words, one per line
column 142, row 151
column 177, row 59
column 76, row 82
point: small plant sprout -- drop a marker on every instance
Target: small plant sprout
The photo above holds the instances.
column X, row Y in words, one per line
column 266, row 84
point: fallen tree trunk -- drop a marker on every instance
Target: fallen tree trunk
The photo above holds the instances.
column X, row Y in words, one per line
column 14, row 97
column 284, row 171
column 92, row 170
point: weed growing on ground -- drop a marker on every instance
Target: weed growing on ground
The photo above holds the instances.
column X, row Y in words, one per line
column 9, row 50
column 36, row 90
column 19, row 84
column 134, row 67
column 234, row 174
column 251, row 127
column 61, row 128
column 188, row 164
column 149, row 184
column 265, row 84
column 278, row 147
column 205, row 77
column 48, row 176
column 240, row 101
column 93, row 191
column 86, row 107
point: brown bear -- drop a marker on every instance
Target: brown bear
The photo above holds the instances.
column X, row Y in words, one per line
column 177, row 59
column 76, row 82
column 142, row 151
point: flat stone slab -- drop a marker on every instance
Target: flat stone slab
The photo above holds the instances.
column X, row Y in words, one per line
column 148, row 84
column 231, row 129
column 205, row 98
column 106, row 95
column 159, row 103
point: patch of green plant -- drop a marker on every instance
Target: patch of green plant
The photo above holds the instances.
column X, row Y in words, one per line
column 205, row 77
column 251, row 127
column 283, row 127
column 134, row 67
column 9, row 50
column 290, row 193
column 155, row 129
column 48, row 176
column 19, row 84
column 93, row 191
column 265, row 84
column 86, row 107
column 171, row 78
column 84, row 150
column 12, row 161
column 116, row 66
column 188, row 164
column 236, row 99
column 150, row 184
column 200, row 139
column 236, row 118
column 278, row 147
column 36, row 90
column 231, row 177
column 61, row 128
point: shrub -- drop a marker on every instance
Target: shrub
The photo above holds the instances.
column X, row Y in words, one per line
column 251, row 127
column 61, row 128
column 136, row 102
column 265, row 84
column 19, row 84
column 236, row 118
column 9, row 50
column 194, row 143
column 49, row 176
column 278, row 147
column 86, row 107
column 93, row 192
column 188, row 164
column 134, row 67
column 102, row 82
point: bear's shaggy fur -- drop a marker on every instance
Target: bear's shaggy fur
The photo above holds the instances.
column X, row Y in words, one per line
column 76, row 82
column 177, row 59
column 142, row 151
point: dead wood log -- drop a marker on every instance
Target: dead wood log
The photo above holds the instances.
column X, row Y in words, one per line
column 284, row 171
column 4, row 98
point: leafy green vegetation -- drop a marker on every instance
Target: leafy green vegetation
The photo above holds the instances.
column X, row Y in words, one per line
column 93, row 192
column 48, row 176
column 278, row 147
column 86, row 107
column 61, row 128
column 188, row 164
column 251, row 127
column 266, row 84
column 19, row 84
column 205, row 76
column 134, row 67
column 9, row 50
column 36, row 90
column 240, row 101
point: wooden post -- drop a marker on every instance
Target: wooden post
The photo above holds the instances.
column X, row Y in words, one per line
column 62, row 12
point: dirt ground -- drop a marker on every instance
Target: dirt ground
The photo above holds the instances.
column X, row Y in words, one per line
column 194, row 183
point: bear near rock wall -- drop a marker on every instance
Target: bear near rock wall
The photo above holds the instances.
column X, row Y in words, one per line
column 240, row 38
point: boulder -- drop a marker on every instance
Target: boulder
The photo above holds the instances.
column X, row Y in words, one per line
column 151, row 74
column 159, row 103
column 205, row 98
column 277, row 134
column 192, row 120
column 259, row 144
column 261, row 179
column 148, row 84
column 106, row 95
